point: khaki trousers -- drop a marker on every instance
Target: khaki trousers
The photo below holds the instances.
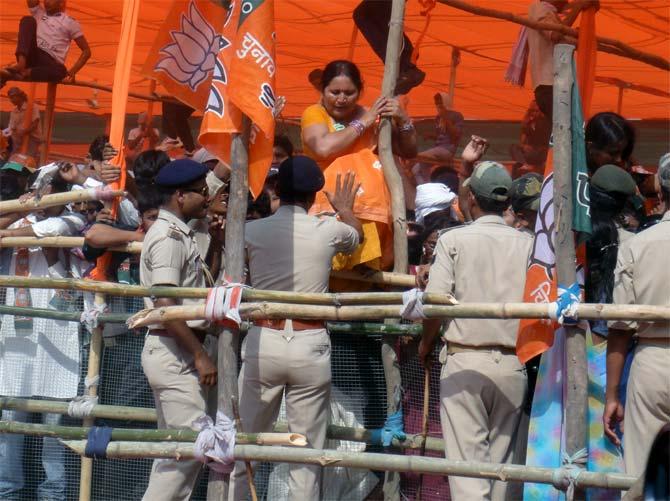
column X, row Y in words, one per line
column 647, row 405
column 180, row 400
column 297, row 363
column 482, row 394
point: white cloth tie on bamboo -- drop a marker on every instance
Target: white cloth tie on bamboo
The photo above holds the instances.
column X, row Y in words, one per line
column 223, row 303
column 103, row 194
column 215, row 445
column 82, row 406
column 565, row 478
column 412, row 305
column 90, row 316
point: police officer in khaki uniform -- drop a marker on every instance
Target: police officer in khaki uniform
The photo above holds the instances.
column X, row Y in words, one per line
column 482, row 384
column 178, row 357
column 292, row 251
column 642, row 276
column 525, row 200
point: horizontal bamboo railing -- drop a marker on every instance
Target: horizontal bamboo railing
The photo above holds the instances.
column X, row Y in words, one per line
column 32, row 203
column 148, row 415
column 370, row 461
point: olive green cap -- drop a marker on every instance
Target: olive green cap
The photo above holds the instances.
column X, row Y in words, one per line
column 612, row 179
column 490, row 180
column 525, row 193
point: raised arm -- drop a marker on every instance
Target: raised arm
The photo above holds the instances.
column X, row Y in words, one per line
column 85, row 55
column 343, row 201
column 32, row 3
column 102, row 236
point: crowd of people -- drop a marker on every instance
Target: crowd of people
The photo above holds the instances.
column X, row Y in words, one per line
column 325, row 206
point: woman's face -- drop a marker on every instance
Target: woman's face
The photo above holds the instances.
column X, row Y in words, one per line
column 340, row 98
column 610, row 154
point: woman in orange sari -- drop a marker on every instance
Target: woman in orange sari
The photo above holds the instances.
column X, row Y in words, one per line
column 341, row 135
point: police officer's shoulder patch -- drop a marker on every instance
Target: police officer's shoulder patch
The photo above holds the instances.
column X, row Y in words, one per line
column 174, row 233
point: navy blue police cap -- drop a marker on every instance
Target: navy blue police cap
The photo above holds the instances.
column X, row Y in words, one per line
column 180, row 172
column 300, row 175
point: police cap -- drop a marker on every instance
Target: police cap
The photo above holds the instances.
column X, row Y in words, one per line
column 299, row 175
column 525, row 192
column 180, row 172
column 490, row 180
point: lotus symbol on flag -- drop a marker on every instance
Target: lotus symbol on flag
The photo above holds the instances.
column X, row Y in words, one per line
column 192, row 55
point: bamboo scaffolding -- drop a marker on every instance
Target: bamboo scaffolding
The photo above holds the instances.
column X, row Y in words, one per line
column 366, row 460
column 33, row 203
column 400, row 280
column 141, row 435
column 59, row 242
column 151, row 97
column 147, row 415
column 256, row 311
column 605, row 44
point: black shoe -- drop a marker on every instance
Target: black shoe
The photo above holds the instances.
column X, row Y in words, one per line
column 409, row 79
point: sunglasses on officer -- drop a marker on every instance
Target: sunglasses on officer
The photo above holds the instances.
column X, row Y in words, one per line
column 204, row 191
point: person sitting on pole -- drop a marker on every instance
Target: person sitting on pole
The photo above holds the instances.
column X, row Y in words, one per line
column 293, row 251
column 482, row 385
column 43, row 43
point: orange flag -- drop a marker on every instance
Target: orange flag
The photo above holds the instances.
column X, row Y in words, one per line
column 244, row 83
column 184, row 52
column 124, row 62
column 587, row 50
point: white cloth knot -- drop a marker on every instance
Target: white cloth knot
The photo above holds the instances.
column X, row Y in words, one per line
column 82, row 406
column 104, row 194
column 223, row 303
column 412, row 305
column 90, row 317
column 565, row 478
column 215, row 445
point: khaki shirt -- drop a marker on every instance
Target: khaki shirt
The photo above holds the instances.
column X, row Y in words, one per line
column 485, row 261
column 170, row 256
column 642, row 276
column 291, row 251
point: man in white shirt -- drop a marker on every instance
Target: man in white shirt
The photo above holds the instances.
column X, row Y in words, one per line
column 17, row 126
column 43, row 43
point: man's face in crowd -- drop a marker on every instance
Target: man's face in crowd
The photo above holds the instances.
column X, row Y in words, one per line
column 54, row 6
column 219, row 203
column 194, row 200
column 16, row 98
column 278, row 156
column 149, row 217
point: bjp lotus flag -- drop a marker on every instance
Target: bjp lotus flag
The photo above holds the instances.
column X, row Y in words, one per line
column 245, row 84
column 184, row 52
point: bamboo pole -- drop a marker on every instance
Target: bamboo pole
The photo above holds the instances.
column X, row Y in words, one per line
column 605, row 44
column 59, row 242
column 398, row 214
column 27, row 118
column 575, row 344
column 455, row 61
column 31, row 204
column 151, row 97
column 257, row 311
column 142, row 435
column 217, row 487
column 49, row 119
column 622, row 84
column 366, row 460
column 146, row 415
column 92, row 377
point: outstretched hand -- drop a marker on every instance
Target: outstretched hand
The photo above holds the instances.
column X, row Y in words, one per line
column 345, row 193
column 475, row 149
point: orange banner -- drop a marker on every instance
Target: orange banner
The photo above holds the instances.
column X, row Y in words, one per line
column 183, row 55
column 244, row 83
column 587, row 50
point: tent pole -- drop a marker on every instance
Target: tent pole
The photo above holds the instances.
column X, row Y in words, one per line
column 575, row 346
column 92, row 375
column 400, row 252
column 619, row 103
column 217, row 488
column 49, row 118
column 28, row 117
column 609, row 45
column 455, row 61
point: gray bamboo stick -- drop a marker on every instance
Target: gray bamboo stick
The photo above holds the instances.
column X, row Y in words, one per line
column 365, row 460
column 576, row 379
column 32, row 203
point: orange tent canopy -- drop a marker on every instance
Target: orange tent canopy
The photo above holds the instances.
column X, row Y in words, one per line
column 312, row 32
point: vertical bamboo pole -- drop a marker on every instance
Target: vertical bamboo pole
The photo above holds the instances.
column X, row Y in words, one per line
column 28, row 118
column 217, row 488
column 619, row 102
column 455, row 61
column 400, row 255
column 576, row 376
column 93, row 371
column 49, row 118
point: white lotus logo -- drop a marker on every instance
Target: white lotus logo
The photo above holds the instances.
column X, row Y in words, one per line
column 191, row 58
